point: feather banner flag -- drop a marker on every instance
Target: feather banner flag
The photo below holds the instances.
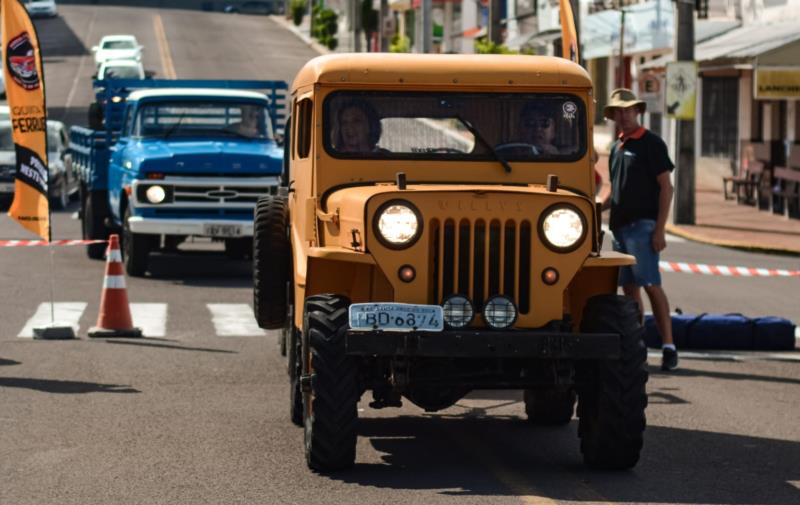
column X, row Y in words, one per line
column 24, row 77
column 569, row 35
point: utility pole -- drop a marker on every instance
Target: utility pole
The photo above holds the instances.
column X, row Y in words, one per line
column 576, row 16
column 621, row 64
column 427, row 26
column 495, row 29
column 385, row 16
column 684, row 173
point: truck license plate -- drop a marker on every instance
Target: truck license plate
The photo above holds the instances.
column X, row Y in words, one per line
column 396, row 317
column 222, row 230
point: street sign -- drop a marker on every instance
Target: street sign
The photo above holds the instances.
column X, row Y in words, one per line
column 681, row 89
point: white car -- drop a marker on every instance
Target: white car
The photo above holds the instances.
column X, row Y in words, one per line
column 41, row 8
column 121, row 69
column 117, row 47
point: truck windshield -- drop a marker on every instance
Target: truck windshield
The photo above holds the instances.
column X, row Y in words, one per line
column 408, row 125
column 248, row 120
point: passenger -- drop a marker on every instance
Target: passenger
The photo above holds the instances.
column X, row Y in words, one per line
column 251, row 124
column 358, row 128
column 538, row 127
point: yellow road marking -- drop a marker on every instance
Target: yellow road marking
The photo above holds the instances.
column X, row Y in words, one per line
column 163, row 47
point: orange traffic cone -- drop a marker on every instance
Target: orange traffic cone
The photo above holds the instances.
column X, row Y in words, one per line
column 115, row 313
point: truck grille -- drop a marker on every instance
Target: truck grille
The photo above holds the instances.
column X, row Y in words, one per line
column 481, row 259
column 221, row 194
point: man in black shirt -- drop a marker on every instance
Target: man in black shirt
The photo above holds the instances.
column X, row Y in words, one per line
column 640, row 198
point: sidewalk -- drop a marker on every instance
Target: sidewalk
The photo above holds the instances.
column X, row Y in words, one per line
column 728, row 224
column 718, row 222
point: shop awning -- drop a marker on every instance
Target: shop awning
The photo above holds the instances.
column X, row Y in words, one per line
column 745, row 43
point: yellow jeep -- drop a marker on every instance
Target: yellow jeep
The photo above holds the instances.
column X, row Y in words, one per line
column 439, row 234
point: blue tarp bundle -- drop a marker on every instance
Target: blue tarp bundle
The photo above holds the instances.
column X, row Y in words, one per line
column 725, row 332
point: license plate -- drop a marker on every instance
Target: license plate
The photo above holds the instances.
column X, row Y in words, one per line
column 6, row 187
column 222, row 230
column 396, row 317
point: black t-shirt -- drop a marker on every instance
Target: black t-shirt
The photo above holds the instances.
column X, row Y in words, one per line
column 634, row 166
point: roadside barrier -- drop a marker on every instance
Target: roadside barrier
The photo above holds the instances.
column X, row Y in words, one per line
column 725, row 271
column 31, row 243
column 115, row 318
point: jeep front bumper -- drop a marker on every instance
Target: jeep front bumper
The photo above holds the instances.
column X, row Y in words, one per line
column 485, row 344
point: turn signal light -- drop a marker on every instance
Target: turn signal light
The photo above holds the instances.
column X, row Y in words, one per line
column 407, row 273
column 550, row 276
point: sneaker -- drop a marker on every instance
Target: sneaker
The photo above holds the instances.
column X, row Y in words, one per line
column 669, row 360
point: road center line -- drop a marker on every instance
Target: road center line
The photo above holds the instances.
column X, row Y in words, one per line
column 79, row 71
column 163, row 48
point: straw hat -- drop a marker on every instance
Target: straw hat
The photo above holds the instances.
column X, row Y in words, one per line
column 622, row 98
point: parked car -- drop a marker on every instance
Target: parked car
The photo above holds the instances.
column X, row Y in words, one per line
column 41, row 8
column 263, row 8
column 121, row 69
column 63, row 182
column 117, row 47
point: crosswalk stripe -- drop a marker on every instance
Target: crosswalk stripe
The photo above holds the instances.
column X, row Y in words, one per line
column 234, row 319
column 64, row 314
column 151, row 318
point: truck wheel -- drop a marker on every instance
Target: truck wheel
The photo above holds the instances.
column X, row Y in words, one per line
column 135, row 248
column 612, row 396
column 271, row 261
column 92, row 228
column 238, row 248
column 549, row 407
column 330, row 412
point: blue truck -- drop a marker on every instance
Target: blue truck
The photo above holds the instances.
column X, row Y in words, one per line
column 164, row 160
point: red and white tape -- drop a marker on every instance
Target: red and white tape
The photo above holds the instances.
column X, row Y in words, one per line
column 31, row 243
column 726, row 271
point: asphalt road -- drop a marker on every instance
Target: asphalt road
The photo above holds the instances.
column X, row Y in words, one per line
column 194, row 415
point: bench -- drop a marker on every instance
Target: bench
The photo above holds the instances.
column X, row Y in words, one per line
column 746, row 185
column 786, row 191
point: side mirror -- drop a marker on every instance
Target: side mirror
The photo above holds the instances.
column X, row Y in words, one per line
column 94, row 77
column 149, row 74
column 279, row 139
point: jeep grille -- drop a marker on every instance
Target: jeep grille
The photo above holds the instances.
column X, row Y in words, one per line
column 480, row 259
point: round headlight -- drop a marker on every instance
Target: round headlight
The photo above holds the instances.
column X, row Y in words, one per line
column 563, row 227
column 155, row 194
column 398, row 224
column 458, row 311
column 499, row 312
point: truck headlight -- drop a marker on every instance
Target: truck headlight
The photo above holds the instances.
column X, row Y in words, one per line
column 154, row 194
column 562, row 227
column 398, row 224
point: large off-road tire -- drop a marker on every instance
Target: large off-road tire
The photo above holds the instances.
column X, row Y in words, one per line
column 92, row 226
column 330, row 413
column 612, row 397
column 295, row 369
column 271, row 261
column 549, row 406
column 136, row 248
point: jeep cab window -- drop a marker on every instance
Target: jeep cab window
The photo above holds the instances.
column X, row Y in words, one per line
column 455, row 126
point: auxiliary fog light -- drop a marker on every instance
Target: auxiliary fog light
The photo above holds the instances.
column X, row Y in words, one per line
column 458, row 311
column 398, row 225
column 499, row 312
column 563, row 228
column 155, row 194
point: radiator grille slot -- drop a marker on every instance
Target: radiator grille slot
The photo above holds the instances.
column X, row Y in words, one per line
column 481, row 259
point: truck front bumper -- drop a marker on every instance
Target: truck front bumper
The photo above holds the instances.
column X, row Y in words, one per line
column 485, row 344
column 197, row 227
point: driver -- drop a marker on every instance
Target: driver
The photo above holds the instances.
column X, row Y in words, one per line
column 538, row 127
column 250, row 124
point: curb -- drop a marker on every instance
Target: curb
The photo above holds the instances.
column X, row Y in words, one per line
column 732, row 244
column 290, row 26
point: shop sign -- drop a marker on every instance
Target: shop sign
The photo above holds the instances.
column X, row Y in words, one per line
column 777, row 83
column 650, row 92
column 681, row 92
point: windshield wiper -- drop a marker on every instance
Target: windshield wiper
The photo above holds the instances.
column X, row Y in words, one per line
column 474, row 131
column 174, row 127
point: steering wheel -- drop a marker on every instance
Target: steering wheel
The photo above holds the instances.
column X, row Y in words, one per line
column 518, row 145
column 452, row 150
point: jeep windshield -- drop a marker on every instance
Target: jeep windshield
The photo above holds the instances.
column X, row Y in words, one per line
column 248, row 120
column 408, row 125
